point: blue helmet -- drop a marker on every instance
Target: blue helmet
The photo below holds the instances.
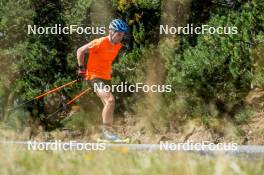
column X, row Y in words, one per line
column 119, row 25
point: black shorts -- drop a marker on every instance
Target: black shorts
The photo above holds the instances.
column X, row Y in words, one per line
column 98, row 83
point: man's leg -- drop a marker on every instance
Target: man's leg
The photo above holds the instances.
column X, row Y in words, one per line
column 109, row 105
column 107, row 98
column 108, row 101
column 107, row 115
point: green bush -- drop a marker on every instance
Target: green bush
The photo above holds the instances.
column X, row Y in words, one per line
column 218, row 67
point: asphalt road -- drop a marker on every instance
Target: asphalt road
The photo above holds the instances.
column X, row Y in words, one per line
column 247, row 150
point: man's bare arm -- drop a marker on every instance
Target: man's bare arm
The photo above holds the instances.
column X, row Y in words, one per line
column 81, row 52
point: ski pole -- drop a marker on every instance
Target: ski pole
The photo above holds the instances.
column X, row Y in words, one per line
column 69, row 102
column 53, row 90
column 44, row 94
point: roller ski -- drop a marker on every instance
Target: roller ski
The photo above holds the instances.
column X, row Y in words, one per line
column 109, row 137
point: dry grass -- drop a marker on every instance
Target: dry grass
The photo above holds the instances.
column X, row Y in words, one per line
column 18, row 160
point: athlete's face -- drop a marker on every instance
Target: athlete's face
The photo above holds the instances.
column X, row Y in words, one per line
column 116, row 36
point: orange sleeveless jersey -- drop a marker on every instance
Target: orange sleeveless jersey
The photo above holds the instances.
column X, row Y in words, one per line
column 101, row 55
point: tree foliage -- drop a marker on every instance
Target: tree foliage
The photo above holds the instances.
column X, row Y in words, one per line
column 218, row 68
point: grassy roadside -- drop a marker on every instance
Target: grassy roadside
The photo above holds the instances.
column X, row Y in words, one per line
column 18, row 160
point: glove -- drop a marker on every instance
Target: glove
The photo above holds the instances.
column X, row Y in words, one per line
column 81, row 73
